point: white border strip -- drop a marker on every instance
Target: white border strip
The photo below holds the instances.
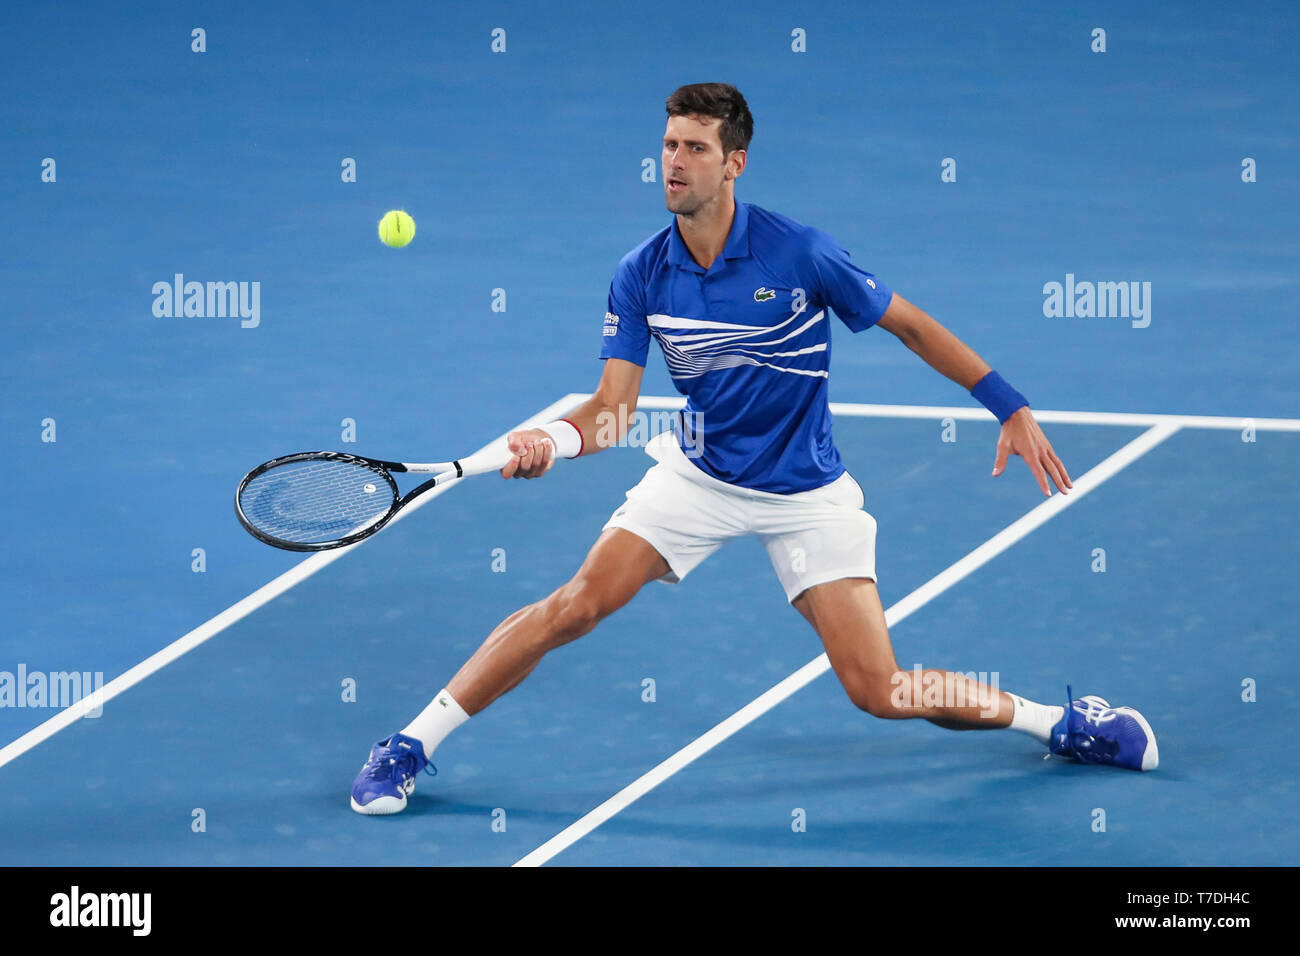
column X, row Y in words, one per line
column 975, row 414
column 267, row 592
column 815, row 668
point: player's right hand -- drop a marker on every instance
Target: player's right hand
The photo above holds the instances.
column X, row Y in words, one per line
column 534, row 453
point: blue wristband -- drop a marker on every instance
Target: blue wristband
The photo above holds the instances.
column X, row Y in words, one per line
column 993, row 392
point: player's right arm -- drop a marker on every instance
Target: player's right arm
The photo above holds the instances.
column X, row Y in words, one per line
column 602, row 420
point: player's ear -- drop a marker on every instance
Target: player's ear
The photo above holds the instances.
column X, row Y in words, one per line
column 736, row 163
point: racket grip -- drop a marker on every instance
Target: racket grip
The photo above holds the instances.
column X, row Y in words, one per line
column 493, row 458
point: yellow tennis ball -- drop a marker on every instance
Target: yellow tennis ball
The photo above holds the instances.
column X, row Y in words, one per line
column 396, row 229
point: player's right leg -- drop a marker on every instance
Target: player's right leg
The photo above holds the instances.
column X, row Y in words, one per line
column 618, row 565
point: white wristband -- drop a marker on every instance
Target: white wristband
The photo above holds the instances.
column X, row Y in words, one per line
column 568, row 440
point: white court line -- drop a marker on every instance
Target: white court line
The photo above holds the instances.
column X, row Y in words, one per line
column 819, row 665
column 975, row 414
column 267, row 592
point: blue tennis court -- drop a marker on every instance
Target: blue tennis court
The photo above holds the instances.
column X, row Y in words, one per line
column 140, row 160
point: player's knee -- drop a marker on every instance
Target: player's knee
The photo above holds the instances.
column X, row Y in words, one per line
column 574, row 610
column 874, row 694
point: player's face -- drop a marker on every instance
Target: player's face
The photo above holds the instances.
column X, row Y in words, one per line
column 694, row 166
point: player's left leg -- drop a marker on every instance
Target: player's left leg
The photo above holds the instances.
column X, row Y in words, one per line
column 823, row 549
column 847, row 615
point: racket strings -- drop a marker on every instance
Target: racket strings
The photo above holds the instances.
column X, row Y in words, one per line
column 314, row 501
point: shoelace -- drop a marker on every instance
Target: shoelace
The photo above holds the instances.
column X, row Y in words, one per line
column 395, row 767
column 1097, row 749
column 1072, row 720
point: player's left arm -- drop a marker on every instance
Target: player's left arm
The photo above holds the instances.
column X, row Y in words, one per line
column 953, row 358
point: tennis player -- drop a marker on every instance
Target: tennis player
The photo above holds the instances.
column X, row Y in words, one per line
column 739, row 300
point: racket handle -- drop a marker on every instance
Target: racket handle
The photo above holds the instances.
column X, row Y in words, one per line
column 493, row 458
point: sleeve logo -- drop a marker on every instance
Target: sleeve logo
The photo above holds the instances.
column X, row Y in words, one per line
column 611, row 324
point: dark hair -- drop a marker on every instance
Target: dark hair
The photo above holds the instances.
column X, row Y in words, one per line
column 719, row 101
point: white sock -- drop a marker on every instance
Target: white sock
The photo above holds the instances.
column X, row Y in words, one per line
column 1037, row 720
column 440, row 718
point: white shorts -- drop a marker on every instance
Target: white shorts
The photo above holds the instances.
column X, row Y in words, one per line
column 811, row 537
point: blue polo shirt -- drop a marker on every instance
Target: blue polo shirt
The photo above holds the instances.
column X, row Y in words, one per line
column 747, row 342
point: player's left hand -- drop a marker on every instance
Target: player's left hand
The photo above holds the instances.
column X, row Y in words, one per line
column 1022, row 436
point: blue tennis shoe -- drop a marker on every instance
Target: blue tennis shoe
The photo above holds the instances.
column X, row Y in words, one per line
column 388, row 777
column 1092, row 731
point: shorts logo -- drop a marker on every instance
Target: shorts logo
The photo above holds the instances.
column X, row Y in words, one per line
column 611, row 324
column 763, row 294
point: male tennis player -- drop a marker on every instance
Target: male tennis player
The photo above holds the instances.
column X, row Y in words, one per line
column 737, row 298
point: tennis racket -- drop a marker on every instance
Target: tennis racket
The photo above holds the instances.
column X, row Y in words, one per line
column 317, row 500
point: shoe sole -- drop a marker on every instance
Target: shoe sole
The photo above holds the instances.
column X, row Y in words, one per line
column 385, row 806
column 380, row 806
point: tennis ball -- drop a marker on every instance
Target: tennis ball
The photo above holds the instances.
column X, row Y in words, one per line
column 396, row 229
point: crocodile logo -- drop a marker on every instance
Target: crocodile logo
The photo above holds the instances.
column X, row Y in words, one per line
column 762, row 294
